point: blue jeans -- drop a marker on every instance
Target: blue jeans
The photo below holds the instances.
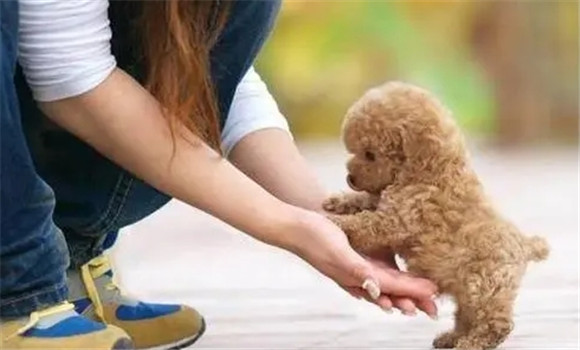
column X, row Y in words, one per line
column 92, row 198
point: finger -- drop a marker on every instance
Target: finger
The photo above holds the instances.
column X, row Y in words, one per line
column 383, row 301
column 363, row 273
column 406, row 305
column 372, row 288
column 428, row 306
column 404, row 285
column 355, row 292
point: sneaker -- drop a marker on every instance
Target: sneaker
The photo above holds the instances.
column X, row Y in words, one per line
column 150, row 326
column 60, row 327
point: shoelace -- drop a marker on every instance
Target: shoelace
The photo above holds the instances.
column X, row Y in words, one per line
column 37, row 315
column 96, row 268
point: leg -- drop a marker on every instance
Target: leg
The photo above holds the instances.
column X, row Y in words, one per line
column 32, row 250
column 492, row 324
column 368, row 231
column 448, row 340
column 95, row 197
column 351, row 203
column 488, row 304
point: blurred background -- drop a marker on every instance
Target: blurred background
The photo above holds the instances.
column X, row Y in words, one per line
column 507, row 69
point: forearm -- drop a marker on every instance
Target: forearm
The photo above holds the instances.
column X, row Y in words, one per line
column 271, row 158
column 124, row 122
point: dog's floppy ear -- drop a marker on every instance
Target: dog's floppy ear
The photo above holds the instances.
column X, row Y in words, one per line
column 418, row 144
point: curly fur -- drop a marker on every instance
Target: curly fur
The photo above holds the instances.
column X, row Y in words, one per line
column 418, row 196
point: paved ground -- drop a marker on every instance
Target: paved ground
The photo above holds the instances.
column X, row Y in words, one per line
column 255, row 296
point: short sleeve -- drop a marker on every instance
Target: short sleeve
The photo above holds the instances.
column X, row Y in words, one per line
column 64, row 46
column 253, row 108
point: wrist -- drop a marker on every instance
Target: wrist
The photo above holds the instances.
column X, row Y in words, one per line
column 290, row 228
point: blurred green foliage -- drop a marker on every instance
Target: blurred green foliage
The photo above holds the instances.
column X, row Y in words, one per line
column 323, row 55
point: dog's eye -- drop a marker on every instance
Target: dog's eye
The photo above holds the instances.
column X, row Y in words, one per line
column 370, row 156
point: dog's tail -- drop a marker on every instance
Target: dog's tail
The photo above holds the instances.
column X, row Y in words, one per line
column 538, row 248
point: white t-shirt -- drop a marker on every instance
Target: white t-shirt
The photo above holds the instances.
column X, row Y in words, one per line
column 65, row 51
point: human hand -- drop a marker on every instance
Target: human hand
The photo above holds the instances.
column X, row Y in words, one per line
column 323, row 245
column 385, row 260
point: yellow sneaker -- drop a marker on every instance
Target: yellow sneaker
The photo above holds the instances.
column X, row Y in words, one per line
column 150, row 326
column 60, row 327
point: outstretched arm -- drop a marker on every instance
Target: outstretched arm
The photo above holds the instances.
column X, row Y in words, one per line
column 118, row 117
column 118, row 107
column 257, row 140
column 271, row 158
column 124, row 122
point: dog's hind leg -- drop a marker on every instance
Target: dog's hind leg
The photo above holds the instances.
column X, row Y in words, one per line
column 489, row 331
column 448, row 340
column 489, row 307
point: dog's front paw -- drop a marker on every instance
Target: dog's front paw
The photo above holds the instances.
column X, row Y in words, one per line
column 338, row 204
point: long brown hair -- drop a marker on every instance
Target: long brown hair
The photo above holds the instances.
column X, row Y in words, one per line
column 177, row 39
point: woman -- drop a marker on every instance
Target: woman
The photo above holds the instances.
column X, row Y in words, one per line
column 162, row 92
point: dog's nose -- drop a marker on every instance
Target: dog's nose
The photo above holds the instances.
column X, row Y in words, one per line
column 351, row 182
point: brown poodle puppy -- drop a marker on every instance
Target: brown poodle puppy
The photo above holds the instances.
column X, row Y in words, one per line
column 418, row 196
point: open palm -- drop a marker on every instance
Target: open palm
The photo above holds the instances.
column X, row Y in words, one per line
column 375, row 278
